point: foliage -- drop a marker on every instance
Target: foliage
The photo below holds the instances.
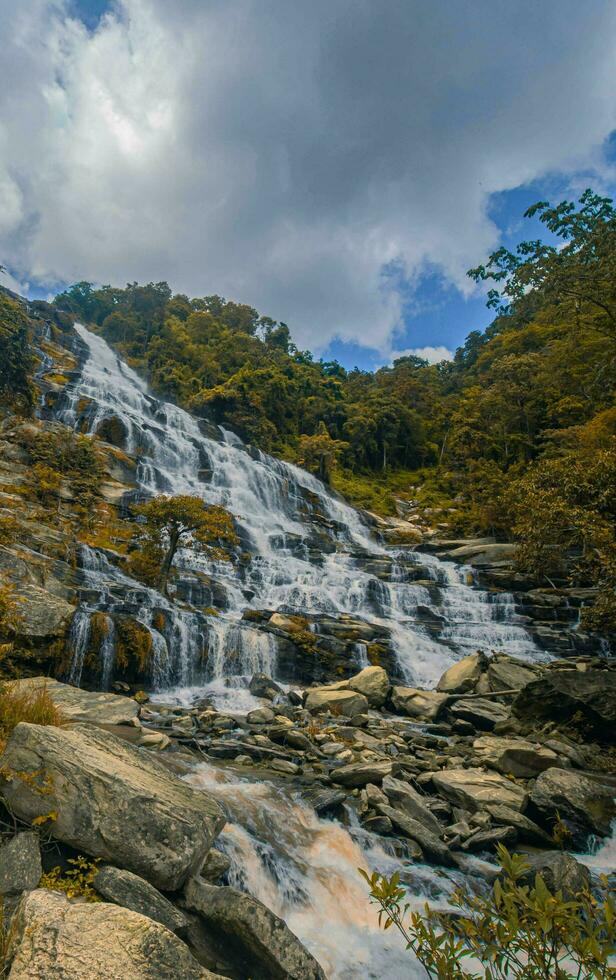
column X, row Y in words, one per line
column 133, row 647
column 9, row 610
column 518, row 930
column 57, row 455
column 33, row 705
column 77, row 882
column 17, row 361
column 319, row 454
column 185, row 521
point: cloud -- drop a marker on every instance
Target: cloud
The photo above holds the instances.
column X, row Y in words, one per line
column 433, row 355
column 287, row 154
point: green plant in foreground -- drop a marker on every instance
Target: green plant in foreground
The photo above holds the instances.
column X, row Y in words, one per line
column 76, row 882
column 518, row 931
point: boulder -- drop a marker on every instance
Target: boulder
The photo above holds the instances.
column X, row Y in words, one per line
column 260, row 716
column 93, row 707
column 429, row 843
column 483, row 713
column 348, row 703
column 474, row 789
column 560, row 872
column 215, row 865
column 526, row 829
column 262, row 686
column 559, row 695
column 20, row 864
column 581, row 804
column 324, row 800
column 52, row 937
column 289, row 624
column 426, row 705
column 373, row 683
column 251, row 934
column 508, row 673
column 361, row 773
column 112, row 800
column 521, row 758
column 132, row 892
column 42, row 615
column 403, row 797
column 462, row 676
column 489, row 839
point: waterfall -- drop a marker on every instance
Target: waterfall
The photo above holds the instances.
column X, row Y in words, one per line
column 309, row 551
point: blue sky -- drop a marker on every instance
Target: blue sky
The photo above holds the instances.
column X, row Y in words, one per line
column 337, row 165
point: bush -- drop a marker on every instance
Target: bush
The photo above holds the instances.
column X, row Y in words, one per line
column 33, row 705
column 517, row 931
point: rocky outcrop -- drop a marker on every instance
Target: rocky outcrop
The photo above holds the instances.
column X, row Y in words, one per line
column 93, row 707
column 581, row 804
column 256, row 940
column 52, row 937
column 517, row 756
column 562, row 694
column 112, row 801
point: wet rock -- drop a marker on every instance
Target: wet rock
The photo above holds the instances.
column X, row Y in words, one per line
column 260, row 716
column 112, row 801
column 507, row 673
column 429, row 843
column 347, row 703
column 52, row 937
column 360, row 773
column 527, row 829
column 251, row 934
column 559, row 695
column 96, row 708
column 487, row 840
column 286, row 767
column 373, row 683
column 474, row 789
column 324, row 800
column 378, row 825
column 289, row 624
column 216, row 865
column 560, row 872
column 463, row 675
column 406, row 799
column 418, row 704
column 584, row 806
column 132, row 892
column 483, row 713
column 20, row 864
column 517, row 756
column 262, row 686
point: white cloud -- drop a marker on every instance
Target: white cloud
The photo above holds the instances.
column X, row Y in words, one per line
column 433, row 355
column 282, row 154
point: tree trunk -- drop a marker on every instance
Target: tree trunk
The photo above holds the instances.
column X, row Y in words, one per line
column 165, row 568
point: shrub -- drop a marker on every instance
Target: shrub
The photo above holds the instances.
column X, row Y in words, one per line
column 517, row 931
column 33, row 705
column 75, row 883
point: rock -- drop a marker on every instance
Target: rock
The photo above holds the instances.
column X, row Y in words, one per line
column 289, row 624
column 373, row 683
column 323, row 799
column 262, row 686
column 483, row 713
column 348, row 703
column 584, row 806
column 20, row 864
column 86, row 706
column 462, row 676
column 527, row 829
column 474, row 789
column 559, row 695
column 428, row 842
column 42, row 615
column 560, row 872
column 506, row 673
column 51, row 937
column 132, row 892
column 378, row 825
column 251, row 933
column 360, row 773
column 514, row 755
column 487, row 840
column 284, row 766
column 216, row 865
column 403, row 797
column 112, row 801
column 260, row 716
column 418, row 704
column 154, row 740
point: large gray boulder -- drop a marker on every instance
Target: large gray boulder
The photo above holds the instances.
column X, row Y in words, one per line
column 112, row 801
column 403, row 797
column 416, row 831
column 358, row 774
column 51, row 937
column 517, row 756
column 474, row 789
column 483, row 713
column 373, row 683
column 348, row 703
column 416, row 703
column 462, row 676
column 93, row 707
column 584, row 806
column 251, row 935
column 132, row 892
column 560, row 872
column 42, row 615
column 508, row 673
column 20, row 864
column 559, row 695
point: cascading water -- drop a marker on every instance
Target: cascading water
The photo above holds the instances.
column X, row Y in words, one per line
column 307, row 548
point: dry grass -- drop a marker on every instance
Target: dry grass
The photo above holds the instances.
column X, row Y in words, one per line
column 33, row 705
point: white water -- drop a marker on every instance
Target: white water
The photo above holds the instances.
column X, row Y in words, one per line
column 288, row 518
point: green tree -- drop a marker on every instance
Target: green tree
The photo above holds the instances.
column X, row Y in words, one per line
column 319, row 454
column 185, row 521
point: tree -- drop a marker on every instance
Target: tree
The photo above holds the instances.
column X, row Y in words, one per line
column 320, row 453
column 518, row 931
column 185, row 521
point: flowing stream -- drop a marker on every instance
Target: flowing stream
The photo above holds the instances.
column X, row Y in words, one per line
column 310, row 553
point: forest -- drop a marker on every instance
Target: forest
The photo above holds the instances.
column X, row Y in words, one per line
column 516, row 436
